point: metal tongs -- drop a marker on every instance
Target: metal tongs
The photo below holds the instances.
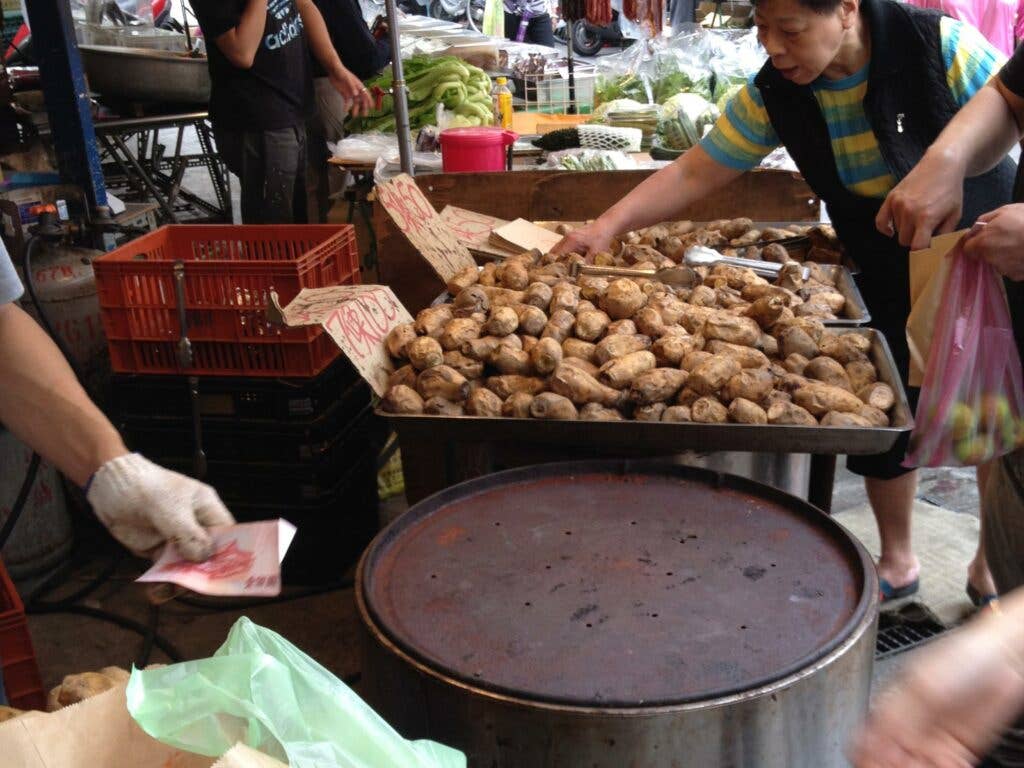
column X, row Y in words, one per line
column 680, row 276
column 701, row 256
column 684, row 276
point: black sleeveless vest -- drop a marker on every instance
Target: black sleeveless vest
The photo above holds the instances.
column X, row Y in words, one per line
column 908, row 103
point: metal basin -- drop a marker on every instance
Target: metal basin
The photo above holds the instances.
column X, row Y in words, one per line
column 138, row 74
column 616, row 613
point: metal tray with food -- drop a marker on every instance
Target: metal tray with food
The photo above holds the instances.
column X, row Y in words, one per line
column 674, row 437
column 854, row 313
column 798, row 243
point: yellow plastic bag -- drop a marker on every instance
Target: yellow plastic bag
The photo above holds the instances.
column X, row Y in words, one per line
column 261, row 690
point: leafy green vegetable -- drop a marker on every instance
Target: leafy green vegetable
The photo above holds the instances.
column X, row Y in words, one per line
column 460, row 87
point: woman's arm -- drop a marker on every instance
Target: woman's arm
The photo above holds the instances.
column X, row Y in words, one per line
column 929, row 199
column 658, row 198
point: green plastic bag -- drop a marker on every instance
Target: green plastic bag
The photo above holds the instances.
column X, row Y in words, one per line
column 494, row 18
column 263, row 691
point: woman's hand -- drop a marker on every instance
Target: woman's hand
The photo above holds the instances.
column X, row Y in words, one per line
column 949, row 705
column 927, row 202
column 588, row 240
column 1000, row 241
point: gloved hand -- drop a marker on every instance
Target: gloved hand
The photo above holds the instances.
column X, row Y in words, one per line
column 144, row 505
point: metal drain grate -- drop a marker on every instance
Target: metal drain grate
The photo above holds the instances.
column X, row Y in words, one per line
column 904, row 629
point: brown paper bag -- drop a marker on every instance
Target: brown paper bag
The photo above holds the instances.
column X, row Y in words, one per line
column 928, row 270
column 97, row 732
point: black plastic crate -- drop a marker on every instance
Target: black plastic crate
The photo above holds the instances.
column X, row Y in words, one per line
column 248, row 482
column 240, row 439
column 142, row 396
column 332, row 531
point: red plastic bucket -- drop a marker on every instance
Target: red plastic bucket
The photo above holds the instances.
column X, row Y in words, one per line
column 475, row 149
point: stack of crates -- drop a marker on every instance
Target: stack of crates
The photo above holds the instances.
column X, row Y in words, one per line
column 284, row 421
column 22, row 684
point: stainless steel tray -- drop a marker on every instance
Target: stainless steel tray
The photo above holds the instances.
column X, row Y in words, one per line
column 677, row 437
column 856, row 311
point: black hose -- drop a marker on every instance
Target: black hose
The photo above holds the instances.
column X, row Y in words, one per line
column 44, row 320
column 219, row 606
column 148, row 639
column 93, row 613
column 19, row 502
column 79, row 594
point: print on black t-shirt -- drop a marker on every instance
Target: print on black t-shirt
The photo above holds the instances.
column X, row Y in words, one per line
column 277, row 91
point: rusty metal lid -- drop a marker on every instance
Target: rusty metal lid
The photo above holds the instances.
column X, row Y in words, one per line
column 616, row 584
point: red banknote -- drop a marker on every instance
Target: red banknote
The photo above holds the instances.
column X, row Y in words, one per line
column 246, row 561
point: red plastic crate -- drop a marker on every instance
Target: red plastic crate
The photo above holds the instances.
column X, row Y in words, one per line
column 229, row 273
column 22, row 683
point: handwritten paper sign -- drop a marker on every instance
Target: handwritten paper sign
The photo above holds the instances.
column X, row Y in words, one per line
column 474, row 229
column 416, row 217
column 358, row 318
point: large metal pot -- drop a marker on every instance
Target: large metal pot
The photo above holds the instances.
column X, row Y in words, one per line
column 616, row 613
column 139, row 74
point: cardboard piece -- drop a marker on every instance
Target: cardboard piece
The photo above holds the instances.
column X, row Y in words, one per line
column 416, row 218
column 928, row 270
column 358, row 318
column 522, row 235
column 474, row 229
column 97, row 732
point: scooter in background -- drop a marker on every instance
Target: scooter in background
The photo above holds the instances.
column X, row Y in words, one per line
column 588, row 39
column 471, row 11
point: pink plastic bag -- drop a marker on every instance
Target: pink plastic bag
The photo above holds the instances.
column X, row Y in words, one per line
column 972, row 401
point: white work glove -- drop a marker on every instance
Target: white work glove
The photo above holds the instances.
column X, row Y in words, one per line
column 144, row 506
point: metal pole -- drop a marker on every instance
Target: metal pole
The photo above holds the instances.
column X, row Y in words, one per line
column 67, row 98
column 572, row 67
column 398, row 92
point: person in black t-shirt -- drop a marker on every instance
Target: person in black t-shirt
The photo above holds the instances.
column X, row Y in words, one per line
column 262, row 96
column 949, row 704
column 366, row 54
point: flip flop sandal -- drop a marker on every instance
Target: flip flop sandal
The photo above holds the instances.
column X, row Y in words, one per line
column 977, row 599
column 887, row 592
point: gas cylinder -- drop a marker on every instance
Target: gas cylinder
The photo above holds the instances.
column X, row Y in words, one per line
column 66, row 288
column 43, row 535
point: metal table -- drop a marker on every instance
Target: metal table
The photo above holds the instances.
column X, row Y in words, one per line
column 136, row 161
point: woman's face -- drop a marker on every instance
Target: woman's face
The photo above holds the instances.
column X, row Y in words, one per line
column 801, row 42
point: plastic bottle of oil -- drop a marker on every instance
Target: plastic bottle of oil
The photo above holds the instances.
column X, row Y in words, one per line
column 503, row 103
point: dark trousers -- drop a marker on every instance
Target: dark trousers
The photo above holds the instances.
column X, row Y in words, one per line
column 271, row 168
column 538, row 30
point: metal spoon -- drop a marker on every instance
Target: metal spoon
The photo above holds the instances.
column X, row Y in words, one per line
column 680, row 276
column 701, row 256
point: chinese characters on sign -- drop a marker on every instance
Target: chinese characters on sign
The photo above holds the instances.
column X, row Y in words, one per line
column 430, row 235
column 358, row 318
